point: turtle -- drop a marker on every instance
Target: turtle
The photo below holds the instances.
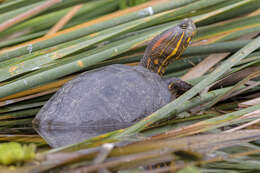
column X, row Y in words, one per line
column 117, row 94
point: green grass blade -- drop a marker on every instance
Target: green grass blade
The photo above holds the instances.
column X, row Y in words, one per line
column 172, row 14
column 169, row 108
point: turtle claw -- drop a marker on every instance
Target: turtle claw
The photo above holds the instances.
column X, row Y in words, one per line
column 178, row 86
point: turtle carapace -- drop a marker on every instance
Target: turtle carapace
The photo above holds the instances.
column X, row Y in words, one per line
column 120, row 94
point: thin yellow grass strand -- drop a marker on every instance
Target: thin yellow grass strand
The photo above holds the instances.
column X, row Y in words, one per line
column 38, row 89
column 27, row 14
column 64, row 20
column 86, row 24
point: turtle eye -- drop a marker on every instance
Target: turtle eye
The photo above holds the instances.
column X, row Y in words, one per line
column 183, row 26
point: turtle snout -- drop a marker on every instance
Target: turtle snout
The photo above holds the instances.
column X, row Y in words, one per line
column 188, row 26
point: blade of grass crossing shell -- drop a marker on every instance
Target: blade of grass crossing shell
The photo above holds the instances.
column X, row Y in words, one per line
column 104, row 138
column 171, row 107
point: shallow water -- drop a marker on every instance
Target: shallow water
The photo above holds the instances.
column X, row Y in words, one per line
column 22, row 135
column 62, row 136
column 52, row 137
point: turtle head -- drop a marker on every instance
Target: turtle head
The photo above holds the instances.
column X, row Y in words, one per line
column 168, row 46
column 188, row 27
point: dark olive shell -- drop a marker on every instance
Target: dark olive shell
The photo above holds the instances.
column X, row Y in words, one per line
column 113, row 95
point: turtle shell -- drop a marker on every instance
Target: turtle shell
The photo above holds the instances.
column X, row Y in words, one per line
column 113, row 95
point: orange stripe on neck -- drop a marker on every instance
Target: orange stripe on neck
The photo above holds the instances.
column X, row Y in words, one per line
column 158, row 43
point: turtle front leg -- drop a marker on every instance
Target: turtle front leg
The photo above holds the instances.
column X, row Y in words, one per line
column 178, row 86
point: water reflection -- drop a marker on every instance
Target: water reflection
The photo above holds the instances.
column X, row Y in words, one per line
column 58, row 137
column 21, row 134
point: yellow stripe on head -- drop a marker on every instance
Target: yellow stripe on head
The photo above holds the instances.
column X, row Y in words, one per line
column 172, row 53
column 188, row 40
column 172, row 40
